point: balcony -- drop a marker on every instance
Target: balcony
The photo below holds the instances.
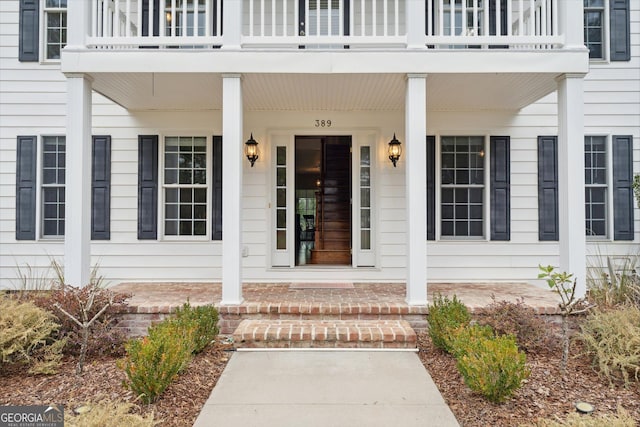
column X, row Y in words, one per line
column 479, row 54
column 325, row 24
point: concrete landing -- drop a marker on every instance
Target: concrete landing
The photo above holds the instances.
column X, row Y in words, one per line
column 325, row 388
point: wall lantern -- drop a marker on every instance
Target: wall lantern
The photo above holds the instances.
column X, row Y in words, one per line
column 395, row 150
column 251, row 150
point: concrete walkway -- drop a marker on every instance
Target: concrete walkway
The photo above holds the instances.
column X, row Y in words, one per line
column 325, row 388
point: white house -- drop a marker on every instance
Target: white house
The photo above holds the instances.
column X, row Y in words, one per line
column 124, row 127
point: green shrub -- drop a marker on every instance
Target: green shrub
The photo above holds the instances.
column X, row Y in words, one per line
column 153, row 361
column 493, row 367
column 519, row 320
column 445, row 316
column 622, row 418
column 465, row 336
column 26, row 336
column 204, row 319
column 612, row 339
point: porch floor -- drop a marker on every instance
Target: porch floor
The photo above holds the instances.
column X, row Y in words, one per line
column 317, row 301
column 163, row 297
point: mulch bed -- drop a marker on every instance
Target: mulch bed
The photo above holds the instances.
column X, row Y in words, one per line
column 179, row 405
column 545, row 394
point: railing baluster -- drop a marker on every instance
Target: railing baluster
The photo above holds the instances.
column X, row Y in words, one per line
column 509, row 14
column 139, row 19
column 396, row 17
column 498, row 20
column 374, row 21
column 128, row 19
column 184, row 18
column 150, row 20
column 543, row 31
column 273, row 17
column 116, row 17
column 329, row 20
column 105, row 19
column 532, row 17
column 429, row 18
column 262, row 33
column 475, row 18
column 486, row 14
column 251, row 17
column 452, row 17
column 317, row 18
column 521, row 18
column 362, row 18
column 341, row 17
column 464, row 17
column 284, row 18
column 385, row 14
column 307, row 6
column 352, row 20
column 94, row 18
column 196, row 25
column 207, row 17
column 554, row 8
column 296, row 18
column 163, row 19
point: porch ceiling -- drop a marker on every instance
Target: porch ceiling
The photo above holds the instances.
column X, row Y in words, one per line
column 317, row 92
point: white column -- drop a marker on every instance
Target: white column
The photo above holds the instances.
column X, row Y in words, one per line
column 77, row 233
column 232, row 154
column 571, row 178
column 571, row 23
column 415, row 152
column 232, row 24
column 416, row 21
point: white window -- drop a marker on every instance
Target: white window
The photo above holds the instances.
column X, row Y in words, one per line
column 55, row 28
column 595, row 178
column 324, row 10
column 462, row 186
column 53, row 185
column 472, row 15
column 594, row 28
column 185, row 186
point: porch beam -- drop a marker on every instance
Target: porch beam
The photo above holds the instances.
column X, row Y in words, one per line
column 571, row 178
column 232, row 149
column 77, row 239
column 416, row 188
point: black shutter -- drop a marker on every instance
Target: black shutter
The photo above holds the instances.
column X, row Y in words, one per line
column 431, row 187
column 619, row 24
column 29, row 31
column 500, row 182
column 147, row 187
column 101, row 188
column 548, row 188
column 26, row 161
column 216, row 189
column 622, row 187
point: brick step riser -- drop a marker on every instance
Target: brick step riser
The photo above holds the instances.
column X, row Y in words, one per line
column 229, row 322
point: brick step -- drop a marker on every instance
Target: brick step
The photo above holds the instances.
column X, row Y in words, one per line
column 325, row 334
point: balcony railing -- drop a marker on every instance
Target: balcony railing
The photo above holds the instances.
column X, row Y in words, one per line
column 449, row 24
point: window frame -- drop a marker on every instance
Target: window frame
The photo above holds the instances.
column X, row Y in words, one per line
column 40, row 199
column 486, row 208
column 608, row 197
column 162, row 186
column 44, row 30
column 605, row 31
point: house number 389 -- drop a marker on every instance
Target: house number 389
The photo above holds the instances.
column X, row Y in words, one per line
column 323, row 123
